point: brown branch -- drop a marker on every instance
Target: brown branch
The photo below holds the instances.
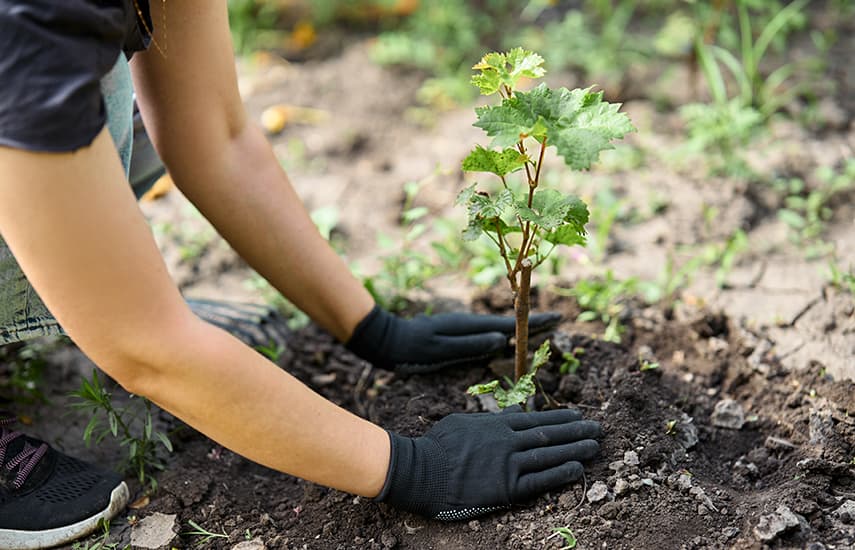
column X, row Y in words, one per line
column 504, row 252
column 539, row 163
column 522, row 305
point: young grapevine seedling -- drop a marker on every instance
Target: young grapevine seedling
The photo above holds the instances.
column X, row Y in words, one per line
column 524, row 220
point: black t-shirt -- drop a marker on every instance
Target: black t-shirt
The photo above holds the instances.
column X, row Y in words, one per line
column 53, row 54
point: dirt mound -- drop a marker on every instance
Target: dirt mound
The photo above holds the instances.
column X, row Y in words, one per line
column 719, row 447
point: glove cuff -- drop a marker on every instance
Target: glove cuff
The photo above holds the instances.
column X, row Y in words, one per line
column 417, row 479
column 369, row 337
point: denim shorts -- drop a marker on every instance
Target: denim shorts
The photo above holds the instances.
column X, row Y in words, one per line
column 23, row 315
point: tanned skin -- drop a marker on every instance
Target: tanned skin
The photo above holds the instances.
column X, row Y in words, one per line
column 73, row 224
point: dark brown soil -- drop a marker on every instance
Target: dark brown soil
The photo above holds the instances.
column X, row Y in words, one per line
column 694, row 486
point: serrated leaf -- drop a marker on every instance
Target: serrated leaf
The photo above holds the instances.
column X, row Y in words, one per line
column 499, row 70
column 507, row 124
column 473, row 230
column 485, row 206
column 500, row 163
column 550, row 209
column 580, row 140
column 489, row 82
column 481, row 389
column 524, row 63
column 567, row 235
column 464, row 195
column 518, row 394
column 541, row 356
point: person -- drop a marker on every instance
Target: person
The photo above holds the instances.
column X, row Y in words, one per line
column 78, row 257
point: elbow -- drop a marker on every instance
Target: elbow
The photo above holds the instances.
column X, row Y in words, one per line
column 144, row 361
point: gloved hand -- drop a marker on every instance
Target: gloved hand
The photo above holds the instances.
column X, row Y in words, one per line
column 467, row 465
column 430, row 343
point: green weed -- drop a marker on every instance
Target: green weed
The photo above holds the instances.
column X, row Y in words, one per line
column 567, row 534
column 131, row 425
column 603, row 300
column 570, row 361
column 204, row 535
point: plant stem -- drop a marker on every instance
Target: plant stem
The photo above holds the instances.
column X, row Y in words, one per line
column 504, row 252
column 522, row 303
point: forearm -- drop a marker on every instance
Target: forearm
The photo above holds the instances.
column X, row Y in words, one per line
column 260, row 214
column 249, row 405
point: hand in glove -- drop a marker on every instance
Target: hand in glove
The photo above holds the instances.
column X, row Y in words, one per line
column 472, row 464
column 430, row 343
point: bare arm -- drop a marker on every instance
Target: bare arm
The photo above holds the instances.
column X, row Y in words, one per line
column 73, row 225
column 225, row 166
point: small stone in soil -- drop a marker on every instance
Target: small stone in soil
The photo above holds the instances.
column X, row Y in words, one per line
column 154, row 531
column 621, row 486
column 846, row 511
column 728, row 414
column 619, row 466
column 630, row 458
column 772, row 525
column 598, row 491
column 254, row 544
column 388, row 540
column 730, row 532
column 475, row 525
column 610, row 510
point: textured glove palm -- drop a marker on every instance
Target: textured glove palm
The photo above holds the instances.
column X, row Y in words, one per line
column 472, row 464
column 430, row 343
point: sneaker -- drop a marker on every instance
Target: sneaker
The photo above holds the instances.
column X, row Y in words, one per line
column 48, row 498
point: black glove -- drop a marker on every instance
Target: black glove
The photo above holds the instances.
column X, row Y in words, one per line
column 429, row 343
column 467, row 465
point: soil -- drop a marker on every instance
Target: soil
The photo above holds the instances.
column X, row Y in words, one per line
column 776, row 339
column 693, row 485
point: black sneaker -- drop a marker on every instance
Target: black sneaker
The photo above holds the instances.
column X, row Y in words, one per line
column 48, row 498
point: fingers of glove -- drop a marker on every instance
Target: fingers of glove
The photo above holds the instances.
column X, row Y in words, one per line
column 451, row 351
column 524, row 421
column 539, row 322
column 536, row 483
column 457, row 324
column 558, row 434
column 543, row 458
column 463, row 347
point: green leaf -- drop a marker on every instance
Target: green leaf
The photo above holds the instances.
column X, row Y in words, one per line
column 507, row 124
column 792, row 218
column 114, row 424
column 465, row 195
column 524, row 63
column 500, row 163
column 541, row 356
column 550, row 209
column 480, row 389
column 577, row 122
column 473, row 230
column 518, row 394
column 482, row 205
column 498, row 70
column 566, row 235
column 580, row 136
column 164, row 440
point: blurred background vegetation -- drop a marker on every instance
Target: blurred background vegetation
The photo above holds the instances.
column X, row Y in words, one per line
column 727, row 68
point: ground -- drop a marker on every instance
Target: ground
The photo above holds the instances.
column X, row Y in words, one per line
column 775, row 344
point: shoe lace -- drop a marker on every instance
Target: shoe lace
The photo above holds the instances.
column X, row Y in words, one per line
column 27, row 458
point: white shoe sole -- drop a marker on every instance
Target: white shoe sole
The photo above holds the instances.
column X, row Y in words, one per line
column 11, row 539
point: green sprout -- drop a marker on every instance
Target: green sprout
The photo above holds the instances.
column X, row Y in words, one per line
column 523, row 220
column 647, row 365
column 571, row 361
column 567, row 534
column 199, row 531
